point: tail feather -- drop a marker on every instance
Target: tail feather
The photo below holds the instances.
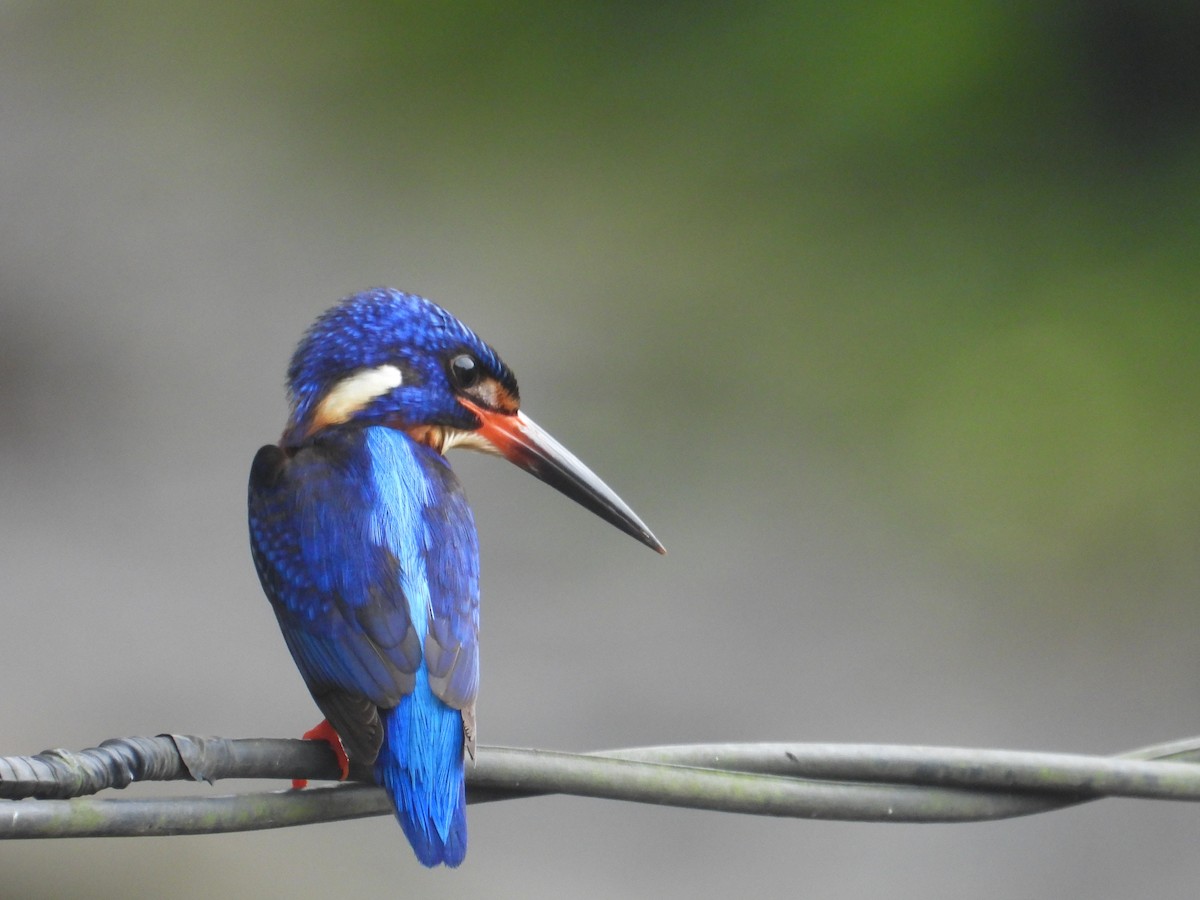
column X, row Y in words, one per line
column 421, row 767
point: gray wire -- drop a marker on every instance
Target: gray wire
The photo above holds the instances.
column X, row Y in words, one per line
column 854, row 782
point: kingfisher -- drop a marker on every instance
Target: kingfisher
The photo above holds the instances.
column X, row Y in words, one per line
column 367, row 550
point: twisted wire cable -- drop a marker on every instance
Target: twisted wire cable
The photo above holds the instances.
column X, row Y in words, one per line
column 852, row 782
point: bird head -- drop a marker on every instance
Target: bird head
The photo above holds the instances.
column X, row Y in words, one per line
column 383, row 357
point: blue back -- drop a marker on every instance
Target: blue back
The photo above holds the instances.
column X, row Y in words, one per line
column 368, row 552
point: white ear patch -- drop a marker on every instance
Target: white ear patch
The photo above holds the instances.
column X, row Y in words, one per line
column 354, row 392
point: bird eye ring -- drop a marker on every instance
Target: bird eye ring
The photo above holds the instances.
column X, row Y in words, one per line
column 464, row 371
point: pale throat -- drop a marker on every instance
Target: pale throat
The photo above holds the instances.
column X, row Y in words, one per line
column 442, row 438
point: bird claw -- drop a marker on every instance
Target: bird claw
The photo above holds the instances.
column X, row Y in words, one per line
column 325, row 732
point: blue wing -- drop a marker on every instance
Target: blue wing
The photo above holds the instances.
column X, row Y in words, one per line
column 367, row 551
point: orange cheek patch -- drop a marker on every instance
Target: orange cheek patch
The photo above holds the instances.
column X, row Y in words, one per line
column 429, row 435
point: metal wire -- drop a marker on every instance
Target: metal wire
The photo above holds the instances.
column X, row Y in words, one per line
column 856, row 782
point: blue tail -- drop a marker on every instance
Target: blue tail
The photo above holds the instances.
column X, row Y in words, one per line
column 421, row 767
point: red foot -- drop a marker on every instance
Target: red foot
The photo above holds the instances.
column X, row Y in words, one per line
column 324, row 732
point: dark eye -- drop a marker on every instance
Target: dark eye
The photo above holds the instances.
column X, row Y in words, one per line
column 464, row 371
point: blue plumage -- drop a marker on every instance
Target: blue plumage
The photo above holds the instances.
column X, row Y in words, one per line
column 421, row 766
column 367, row 550
column 422, row 516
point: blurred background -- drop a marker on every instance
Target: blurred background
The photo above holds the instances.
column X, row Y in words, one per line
column 884, row 318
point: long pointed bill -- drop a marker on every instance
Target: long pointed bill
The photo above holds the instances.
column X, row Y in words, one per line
column 521, row 441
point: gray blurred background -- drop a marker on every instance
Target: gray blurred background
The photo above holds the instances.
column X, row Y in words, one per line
column 885, row 319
